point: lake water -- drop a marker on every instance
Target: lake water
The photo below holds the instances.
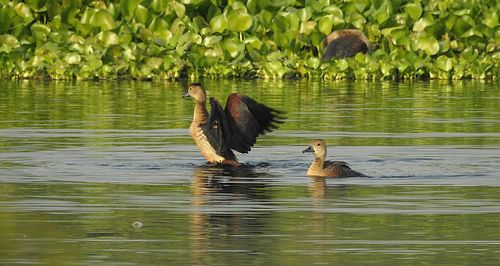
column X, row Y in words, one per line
column 106, row 173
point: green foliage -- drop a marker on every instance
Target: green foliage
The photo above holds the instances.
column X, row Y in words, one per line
column 161, row 39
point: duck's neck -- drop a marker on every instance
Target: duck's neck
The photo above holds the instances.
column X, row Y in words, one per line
column 318, row 163
column 200, row 113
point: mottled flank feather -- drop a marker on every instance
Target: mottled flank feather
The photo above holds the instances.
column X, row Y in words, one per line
column 340, row 169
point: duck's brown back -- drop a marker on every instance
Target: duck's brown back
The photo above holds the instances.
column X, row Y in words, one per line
column 339, row 169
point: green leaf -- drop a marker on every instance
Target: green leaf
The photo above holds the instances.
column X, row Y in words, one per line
column 423, row 23
column 177, row 27
column 386, row 68
column 179, row 9
column 428, row 44
column 9, row 41
column 276, row 3
column 127, row 7
column 414, row 10
column 338, row 16
column 307, row 27
column 154, row 62
column 40, row 31
column 325, row 24
column 491, row 19
column 254, row 55
column 103, row 19
column 383, row 13
column 210, row 41
column 158, row 24
column 450, row 21
column 162, row 37
column 24, row 11
column 218, row 23
column 254, row 42
column 5, row 20
column 252, row 6
column 471, row 32
column 398, row 35
column 87, row 15
column 72, row 58
column 145, row 34
column 266, row 17
column 281, row 23
column 68, row 15
column 215, row 52
column 444, row 63
column 233, row 47
column 304, row 14
column 357, row 20
column 237, row 4
column 141, row 14
column 108, row 38
column 461, row 26
column 125, row 38
column 37, row 5
column 317, row 5
column 313, row 62
column 293, row 22
column 239, row 21
column 342, row 65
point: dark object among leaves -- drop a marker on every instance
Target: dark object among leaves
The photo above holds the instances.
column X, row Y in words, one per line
column 345, row 43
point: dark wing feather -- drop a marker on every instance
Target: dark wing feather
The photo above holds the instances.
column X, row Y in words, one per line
column 249, row 119
column 340, row 169
column 268, row 118
column 345, row 46
column 217, row 130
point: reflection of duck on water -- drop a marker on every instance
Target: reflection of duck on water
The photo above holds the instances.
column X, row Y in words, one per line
column 321, row 167
column 217, row 211
column 234, row 128
column 317, row 187
column 226, row 179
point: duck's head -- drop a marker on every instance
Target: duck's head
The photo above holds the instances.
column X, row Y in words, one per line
column 196, row 91
column 318, row 146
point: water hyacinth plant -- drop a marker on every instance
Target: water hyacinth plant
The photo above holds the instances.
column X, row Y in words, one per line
column 165, row 39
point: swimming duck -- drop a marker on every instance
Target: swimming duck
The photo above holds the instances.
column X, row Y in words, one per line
column 345, row 43
column 234, row 128
column 322, row 168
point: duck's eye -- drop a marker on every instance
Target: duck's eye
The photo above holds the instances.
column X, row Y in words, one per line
column 317, row 144
column 190, row 88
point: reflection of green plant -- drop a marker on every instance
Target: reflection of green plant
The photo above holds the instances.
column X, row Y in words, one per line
column 257, row 38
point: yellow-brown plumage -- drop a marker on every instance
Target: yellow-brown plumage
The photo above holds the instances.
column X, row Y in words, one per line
column 322, row 168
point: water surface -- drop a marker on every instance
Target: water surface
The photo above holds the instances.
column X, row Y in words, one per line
column 80, row 162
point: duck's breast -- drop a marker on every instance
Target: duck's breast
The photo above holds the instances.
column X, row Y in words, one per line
column 204, row 145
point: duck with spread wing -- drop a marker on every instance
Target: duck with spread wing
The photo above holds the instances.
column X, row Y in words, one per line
column 236, row 127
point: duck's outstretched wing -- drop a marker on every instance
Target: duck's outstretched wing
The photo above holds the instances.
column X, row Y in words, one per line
column 217, row 130
column 248, row 119
column 341, row 169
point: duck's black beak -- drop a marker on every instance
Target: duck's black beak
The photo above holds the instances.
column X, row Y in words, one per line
column 186, row 95
column 309, row 149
